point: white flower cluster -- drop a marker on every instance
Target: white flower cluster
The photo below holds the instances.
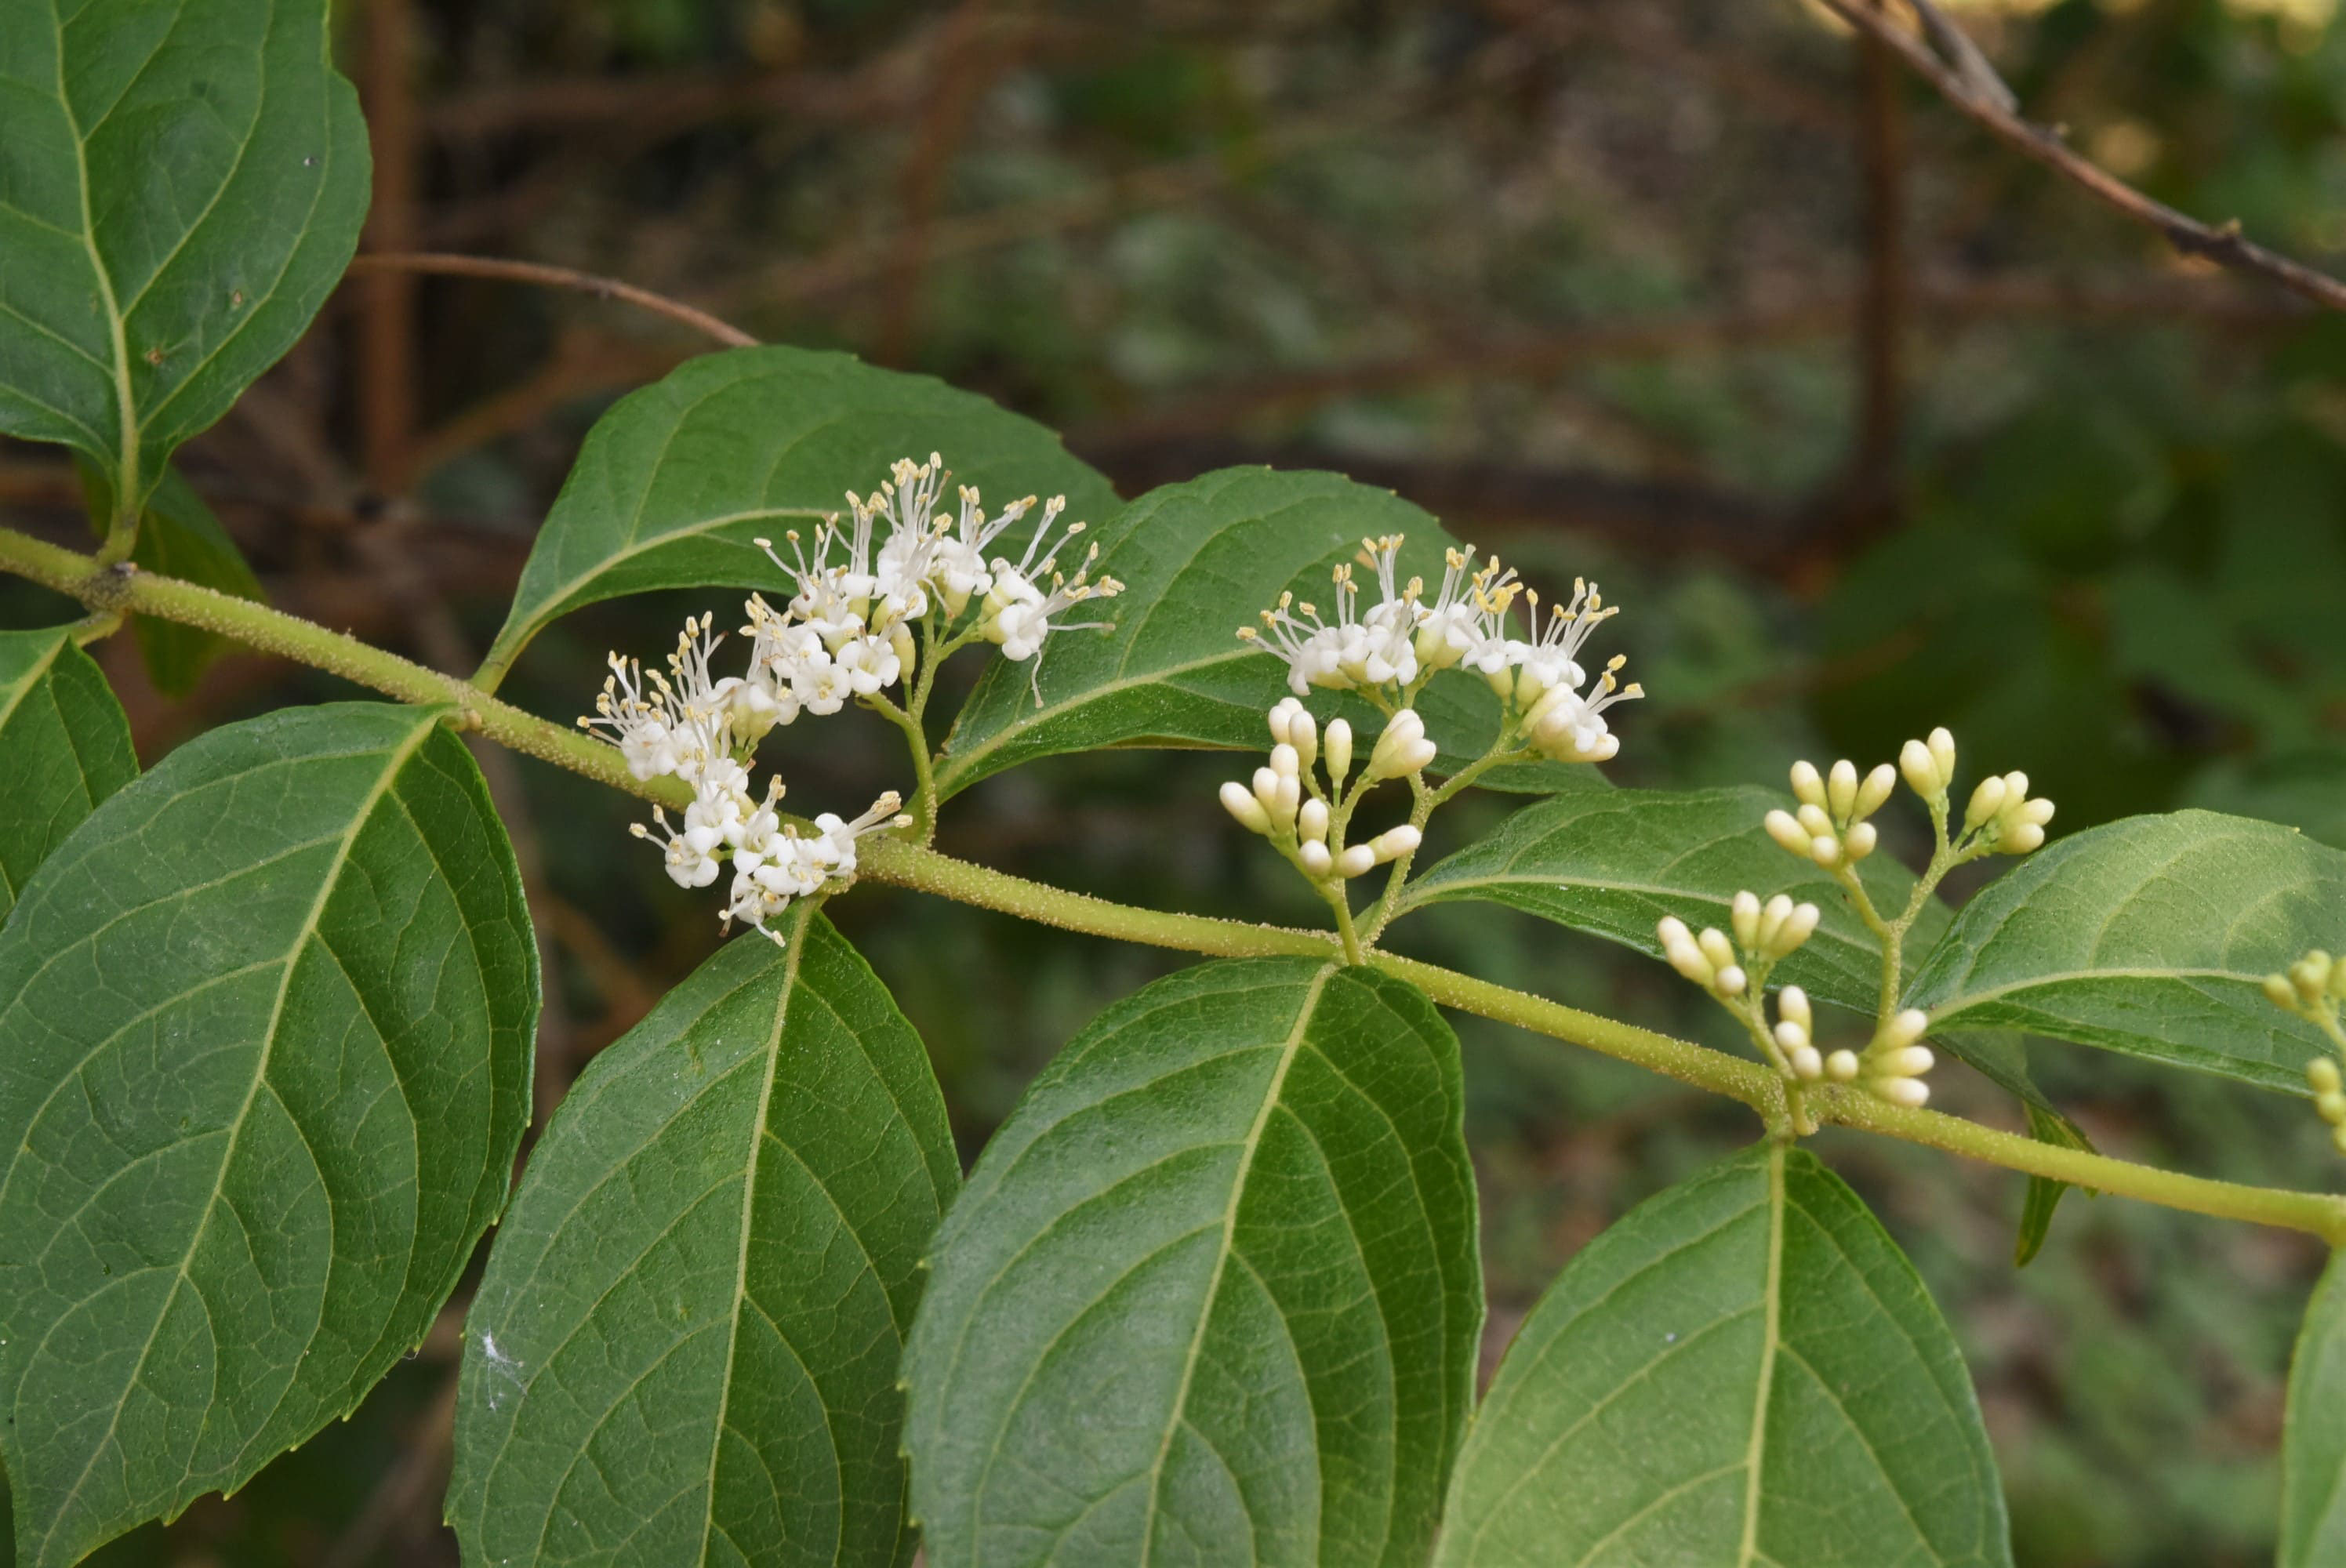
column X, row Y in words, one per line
column 848, row 632
column 1310, row 831
column 2314, row 988
column 2001, row 819
column 1398, row 640
column 691, row 724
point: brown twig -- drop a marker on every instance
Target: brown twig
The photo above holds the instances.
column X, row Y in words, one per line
column 2221, row 243
column 386, row 325
column 548, row 276
column 1881, row 297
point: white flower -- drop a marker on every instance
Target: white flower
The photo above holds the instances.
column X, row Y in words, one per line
column 639, row 717
column 869, row 663
column 1550, row 658
column 1567, row 727
column 823, row 687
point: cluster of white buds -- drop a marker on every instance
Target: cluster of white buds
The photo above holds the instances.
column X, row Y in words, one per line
column 1735, row 971
column 2003, row 816
column 2314, row 988
column 1763, row 932
column 1391, row 642
column 1286, row 803
column 1830, row 828
column 1896, row 1061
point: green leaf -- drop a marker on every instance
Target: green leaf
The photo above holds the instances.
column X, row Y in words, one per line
column 63, row 748
column 177, row 537
column 1744, row 1370
column 2313, row 1436
column 2044, row 1193
column 677, row 479
column 1212, row 1294
column 181, row 186
column 2151, row 936
column 2001, row 1056
column 264, row 1063
column 1199, row 560
column 684, row 1348
column 1613, row 864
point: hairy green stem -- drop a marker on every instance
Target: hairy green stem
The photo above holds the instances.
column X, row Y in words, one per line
column 125, row 589
column 1380, row 914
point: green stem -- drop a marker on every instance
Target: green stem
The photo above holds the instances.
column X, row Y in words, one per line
column 123, row 588
column 1381, row 913
column 922, row 806
column 2320, row 1214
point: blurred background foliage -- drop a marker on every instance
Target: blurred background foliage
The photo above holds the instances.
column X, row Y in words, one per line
column 1870, row 424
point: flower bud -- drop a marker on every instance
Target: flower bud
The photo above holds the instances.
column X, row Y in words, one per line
column 1904, row 1028
column 2019, row 838
column 2332, row 1107
column 1303, row 734
column 1813, row 819
column 1842, row 1066
column 2310, row 975
column 1791, row 1035
column 1798, row 925
column 2280, row 992
column 1266, row 788
column 1840, row 789
column 1911, row 1093
column 1908, row 1061
column 1792, row 1004
column 1987, row 801
column 1355, row 861
column 1340, row 751
column 1239, row 802
column 1313, row 853
column 1394, row 843
column 1291, row 795
column 1807, row 1064
column 1732, row 980
column 1921, row 770
column 1788, row 833
column 1285, row 760
column 1311, row 822
column 1825, row 850
column 1874, row 791
column 2322, row 1074
column 1861, row 838
column 1281, row 717
column 1715, row 947
column 1807, row 785
column 1402, row 750
column 1744, row 915
column 1678, row 947
column 1942, row 752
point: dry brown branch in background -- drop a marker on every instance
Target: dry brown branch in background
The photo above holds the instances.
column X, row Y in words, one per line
column 2222, row 244
column 554, row 278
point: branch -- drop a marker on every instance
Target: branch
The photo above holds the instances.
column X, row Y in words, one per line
column 124, row 587
column 2222, row 244
column 547, row 277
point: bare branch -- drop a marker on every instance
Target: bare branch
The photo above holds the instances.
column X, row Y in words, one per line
column 555, row 278
column 2221, row 243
